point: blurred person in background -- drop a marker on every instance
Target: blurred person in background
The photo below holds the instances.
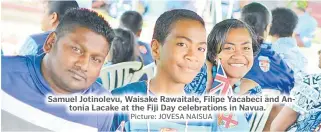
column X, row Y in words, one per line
column 274, row 72
column 134, row 21
column 53, row 12
column 307, row 25
column 269, row 70
column 123, row 47
column 236, row 8
column 284, row 22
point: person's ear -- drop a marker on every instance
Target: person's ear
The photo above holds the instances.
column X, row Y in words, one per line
column 156, row 47
column 54, row 20
column 50, row 41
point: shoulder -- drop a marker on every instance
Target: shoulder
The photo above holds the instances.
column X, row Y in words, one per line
column 40, row 38
column 133, row 88
column 15, row 64
column 273, row 56
column 38, row 35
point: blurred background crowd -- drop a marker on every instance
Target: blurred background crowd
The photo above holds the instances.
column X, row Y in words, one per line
column 21, row 18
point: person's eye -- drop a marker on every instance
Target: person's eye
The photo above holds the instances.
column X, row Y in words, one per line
column 201, row 49
column 76, row 50
column 181, row 44
column 228, row 48
column 247, row 48
column 96, row 60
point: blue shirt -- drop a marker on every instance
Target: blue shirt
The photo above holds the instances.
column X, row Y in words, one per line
column 147, row 56
column 270, row 71
column 23, row 82
column 140, row 88
column 306, row 27
column 34, row 43
column 290, row 53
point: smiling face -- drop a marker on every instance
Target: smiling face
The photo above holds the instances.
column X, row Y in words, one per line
column 183, row 53
column 75, row 59
column 237, row 53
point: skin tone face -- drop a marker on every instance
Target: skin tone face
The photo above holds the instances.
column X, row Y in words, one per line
column 181, row 56
column 49, row 21
column 237, row 54
column 72, row 62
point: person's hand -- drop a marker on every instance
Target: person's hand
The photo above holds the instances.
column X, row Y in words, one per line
column 142, row 49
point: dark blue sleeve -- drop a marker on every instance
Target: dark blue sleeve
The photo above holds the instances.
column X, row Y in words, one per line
column 274, row 75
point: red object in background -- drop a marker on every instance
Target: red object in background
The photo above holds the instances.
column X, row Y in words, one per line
column 314, row 8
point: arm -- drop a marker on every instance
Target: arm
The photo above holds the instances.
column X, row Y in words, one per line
column 298, row 40
column 246, row 85
column 284, row 119
column 305, row 32
column 274, row 112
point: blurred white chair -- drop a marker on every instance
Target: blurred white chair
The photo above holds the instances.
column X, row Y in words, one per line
column 149, row 70
column 123, row 73
column 258, row 123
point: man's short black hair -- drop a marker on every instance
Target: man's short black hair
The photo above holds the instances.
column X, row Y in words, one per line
column 284, row 22
column 258, row 17
column 131, row 20
column 86, row 18
column 165, row 22
column 60, row 7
